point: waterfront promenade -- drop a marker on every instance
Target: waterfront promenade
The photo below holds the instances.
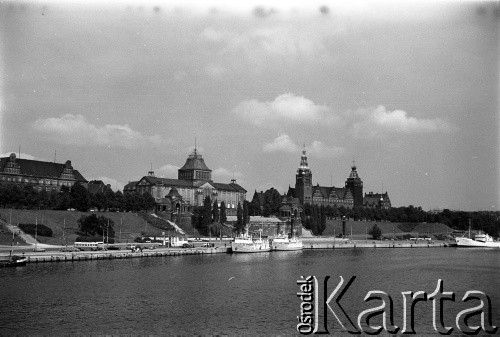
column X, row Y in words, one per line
column 53, row 254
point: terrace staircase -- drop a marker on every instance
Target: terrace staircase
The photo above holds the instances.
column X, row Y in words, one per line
column 17, row 231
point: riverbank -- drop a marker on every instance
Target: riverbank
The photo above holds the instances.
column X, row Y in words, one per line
column 53, row 255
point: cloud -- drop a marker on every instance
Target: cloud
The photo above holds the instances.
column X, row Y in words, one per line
column 378, row 122
column 223, row 172
column 319, row 149
column 282, row 143
column 76, row 130
column 167, row 171
column 284, row 108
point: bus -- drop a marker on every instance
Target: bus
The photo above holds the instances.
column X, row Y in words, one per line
column 89, row 245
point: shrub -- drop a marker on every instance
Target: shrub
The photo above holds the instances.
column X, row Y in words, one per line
column 30, row 228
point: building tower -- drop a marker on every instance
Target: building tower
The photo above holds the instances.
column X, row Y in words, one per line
column 355, row 185
column 303, row 181
column 195, row 168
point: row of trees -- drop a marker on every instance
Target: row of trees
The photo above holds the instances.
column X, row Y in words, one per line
column 208, row 219
column 77, row 197
column 314, row 218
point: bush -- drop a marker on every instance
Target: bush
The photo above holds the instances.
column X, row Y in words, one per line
column 375, row 232
column 30, row 228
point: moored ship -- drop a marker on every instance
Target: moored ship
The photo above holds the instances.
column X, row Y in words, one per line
column 245, row 244
column 480, row 240
column 14, row 261
column 285, row 243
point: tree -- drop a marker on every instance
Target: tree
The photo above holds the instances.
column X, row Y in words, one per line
column 207, row 215
column 375, row 232
column 93, row 225
column 98, row 201
column 272, row 202
column 63, row 201
column 29, row 196
column 43, row 199
column 222, row 213
column 246, row 212
column 240, row 225
column 215, row 212
column 80, row 198
column 149, row 202
column 119, row 201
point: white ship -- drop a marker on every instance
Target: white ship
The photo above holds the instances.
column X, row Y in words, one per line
column 245, row 244
column 480, row 240
column 284, row 243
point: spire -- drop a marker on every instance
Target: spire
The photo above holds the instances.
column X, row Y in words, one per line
column 151, row 173
column 354, row 173
column 304, row 166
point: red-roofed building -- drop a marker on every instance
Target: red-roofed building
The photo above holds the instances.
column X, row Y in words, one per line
column 42, row 175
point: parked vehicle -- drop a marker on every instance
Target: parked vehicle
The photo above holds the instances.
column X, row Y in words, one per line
column 70, row 249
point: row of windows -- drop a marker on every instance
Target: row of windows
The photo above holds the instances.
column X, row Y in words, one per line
column 348, row 201
column 38, row 181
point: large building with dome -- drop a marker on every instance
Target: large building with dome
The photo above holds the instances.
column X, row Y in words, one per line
column 194, row 183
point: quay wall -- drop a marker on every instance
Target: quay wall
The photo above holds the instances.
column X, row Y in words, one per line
column 55, row 256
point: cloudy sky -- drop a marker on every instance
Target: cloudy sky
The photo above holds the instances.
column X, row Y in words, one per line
column 409, row 91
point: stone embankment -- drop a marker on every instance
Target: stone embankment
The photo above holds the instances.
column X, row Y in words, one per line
column 330, row 243
column 117, row 254
column 309, row 243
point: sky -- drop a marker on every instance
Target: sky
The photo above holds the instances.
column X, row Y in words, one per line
column 408, row 91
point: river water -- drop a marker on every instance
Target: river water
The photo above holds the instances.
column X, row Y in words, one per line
column 234, row 294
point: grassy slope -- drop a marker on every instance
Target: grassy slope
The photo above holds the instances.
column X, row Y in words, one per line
column 360, row 228
column 131, row 227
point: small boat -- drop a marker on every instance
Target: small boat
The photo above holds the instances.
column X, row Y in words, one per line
column 480, row 240
column 13, row 261
column 285, row 243
column 245, row 244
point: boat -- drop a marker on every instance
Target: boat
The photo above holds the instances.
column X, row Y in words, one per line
column 481, row 240
column 283, row 242
column 245, row 244
column 13, row 261
column 287, row 242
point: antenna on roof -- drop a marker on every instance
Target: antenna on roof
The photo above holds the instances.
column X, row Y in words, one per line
column 151, row 173
column 19, row 151
column 195, row 145
column 55, row 155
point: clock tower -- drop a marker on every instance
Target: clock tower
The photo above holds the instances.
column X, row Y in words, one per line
column 303, row 181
